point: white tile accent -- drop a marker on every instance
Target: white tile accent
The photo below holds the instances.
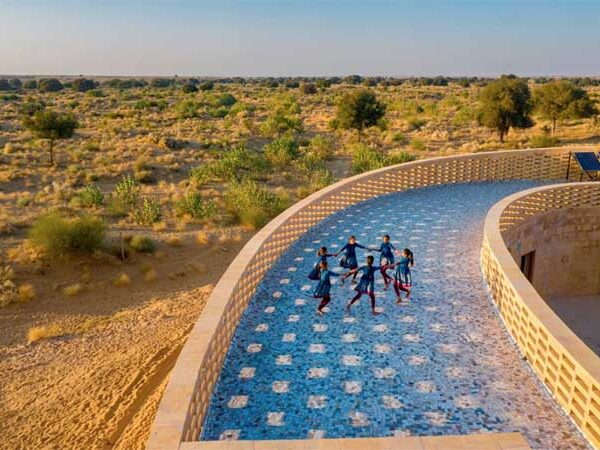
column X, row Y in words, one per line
column 319, row 327
column 280, row 387
column 294, row 318
column 466, row 401
column 254, row 348
column 417, row 360
column 352, row 387
column 391, row 402
column 300, row 302
column 359, row 419
column 316, row 401
column 382, row 348
column 316, row 348
column 277, row 294
column 411, row 338
column 381, row 328
column 349, row 337
column 292, row 269
column 315, row 434
column 247, row 372
column 306, row 287
column 288, row 337
column 318, row 372
column 275, row 419
column 230, row 435
column 283, row 360
column 436, row 418
column 270, row 309
column 351, row 360
column 349, row 319
column 238, row 401
column 425, row 387
column 384, row 372
column 261, row 328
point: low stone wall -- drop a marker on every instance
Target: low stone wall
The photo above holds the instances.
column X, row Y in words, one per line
column 567, row 250
column 569, row 368
column 186, row 399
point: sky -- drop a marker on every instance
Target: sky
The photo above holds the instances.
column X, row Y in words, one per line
column 300, row 37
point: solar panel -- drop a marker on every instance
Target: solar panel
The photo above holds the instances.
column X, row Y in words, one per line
column 588, row 161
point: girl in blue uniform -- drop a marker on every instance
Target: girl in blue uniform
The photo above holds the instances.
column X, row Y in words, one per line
column 366, row 285
column 349, row 260
column 386, row 257
column 402, row 275
column 323, row 289
column 322, row 254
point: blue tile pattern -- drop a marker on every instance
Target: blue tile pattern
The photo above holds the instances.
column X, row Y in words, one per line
column 440, row 364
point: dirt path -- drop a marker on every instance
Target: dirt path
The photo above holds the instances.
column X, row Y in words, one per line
column 99, row 388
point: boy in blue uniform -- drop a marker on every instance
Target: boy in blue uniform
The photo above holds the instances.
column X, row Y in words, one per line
column 386, row 257
column 366, row 285
column 323, row 289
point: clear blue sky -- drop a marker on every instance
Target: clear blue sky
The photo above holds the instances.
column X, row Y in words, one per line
column 300, row 37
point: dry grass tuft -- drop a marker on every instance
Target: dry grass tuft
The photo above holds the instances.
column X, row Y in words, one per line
column 46, row 332
column 150, row 275
column 160, row 226
column 72, row 290
column 122, row 280
column 26, row 293
column 174, row 241
column 203, row 238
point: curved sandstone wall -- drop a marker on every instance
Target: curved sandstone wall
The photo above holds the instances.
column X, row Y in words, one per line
column 567, row 250
column 566, row 365
column 182, row 409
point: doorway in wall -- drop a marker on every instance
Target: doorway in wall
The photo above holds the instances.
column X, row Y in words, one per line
column 527, row 263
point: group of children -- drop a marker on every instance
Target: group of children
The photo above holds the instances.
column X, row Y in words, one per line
column 366, row 285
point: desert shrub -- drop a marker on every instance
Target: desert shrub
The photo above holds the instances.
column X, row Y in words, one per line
column 319, row 179
column 281, row 152
column 142, row 244
column 284, row 118
column 148, row 213
column 127, row 191
column 35, row 334
column 188, row 109
column 365, row 158
column 415, row 123
column 189, row 88
column 253, row 205
column 194, row 205
column 223, row 100
column 30, row 84
column 59, row 236
column 321, row 147
column 173, row 144
column 83, row 85
column 358, row 110
column 417, row 144
column 91, row 195
column 218, row 113
column 399, row 138
column 308, row 88
column 543, row 141
column 207, row 86
column 161, row 83
column 49, row 85
column 234, row 164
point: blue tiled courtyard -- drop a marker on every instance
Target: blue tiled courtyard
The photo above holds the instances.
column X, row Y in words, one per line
column 440, row 364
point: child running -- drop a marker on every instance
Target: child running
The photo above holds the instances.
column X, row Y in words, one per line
column 322, row 254
column 386, row 258
column 402, row 276
column 323, row 289
column 349, row 260
column 366, row 285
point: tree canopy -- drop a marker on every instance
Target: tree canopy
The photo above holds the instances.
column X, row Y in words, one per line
column 49, row 85
column 51, row 125
column 506, row 103
column 358, row 110
column 561, row 99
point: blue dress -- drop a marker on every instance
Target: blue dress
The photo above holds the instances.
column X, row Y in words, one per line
column 324, row 286
column 349, row 260
column 367, row 279
column 387, row 253
column 315, row 273
column 402, row 274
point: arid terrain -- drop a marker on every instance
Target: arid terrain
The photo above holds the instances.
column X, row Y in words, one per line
column 174, row 176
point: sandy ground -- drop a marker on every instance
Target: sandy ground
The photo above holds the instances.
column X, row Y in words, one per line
column 98, row 385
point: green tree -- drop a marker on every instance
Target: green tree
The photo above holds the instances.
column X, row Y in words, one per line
column 83, row 85
column 561, row 99
column 358, row 110
column 506, row 103
column 30, row 84
column 51, row 125
column 50, row 85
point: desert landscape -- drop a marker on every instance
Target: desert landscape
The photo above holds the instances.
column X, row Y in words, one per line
column 123, row 200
